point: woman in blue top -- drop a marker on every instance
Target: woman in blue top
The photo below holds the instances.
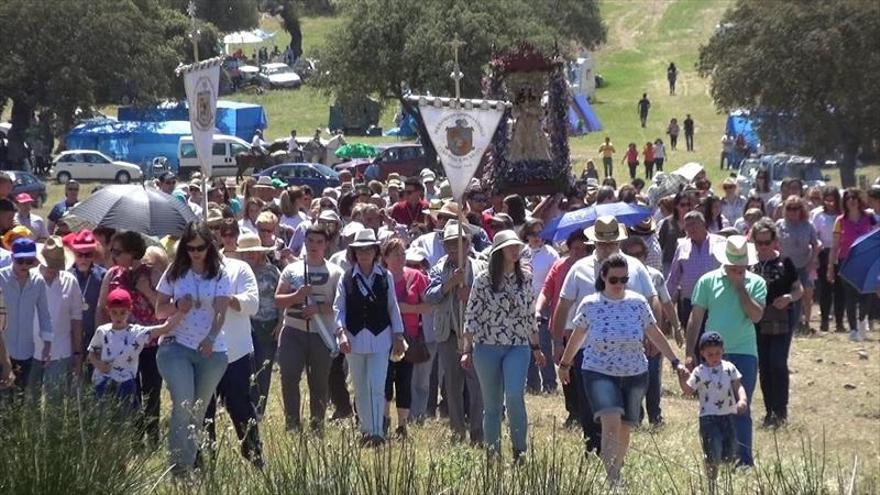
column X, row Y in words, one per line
column 614, row 322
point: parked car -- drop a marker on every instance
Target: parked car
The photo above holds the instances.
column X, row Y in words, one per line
column 304, row 67
column 93, row 165
column 779, row 167
column 314, row 175
column 26, row 182
column 405, row 159
column 222, row 156
column 278, row 75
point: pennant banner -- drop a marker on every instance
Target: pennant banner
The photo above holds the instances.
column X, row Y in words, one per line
column 460, row 134
column 201, row 81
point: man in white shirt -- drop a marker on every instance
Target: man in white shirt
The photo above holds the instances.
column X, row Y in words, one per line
column 732, row 204
column 24, row 217
column 65, row 310
column 293, row 147
column 234, row 387
column 580, row 283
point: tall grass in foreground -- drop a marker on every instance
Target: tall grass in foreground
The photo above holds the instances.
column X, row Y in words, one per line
column 80, row 447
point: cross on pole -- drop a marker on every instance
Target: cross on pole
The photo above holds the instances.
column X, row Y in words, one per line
column 194, row 34
column 456, row 75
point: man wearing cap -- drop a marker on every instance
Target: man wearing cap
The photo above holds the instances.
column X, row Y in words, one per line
column 448, row 291
column 89, row 277
column 234, row 388
column 195, row 197
column 411, row 208
column 647, row 231
column 693, row 258
column 24, row 295
column 71, row 198
column 65, row 311
column 167, row 182
column 580, row 282
column 734, row 298
column 428, row 180
column 24, row 217
column 732, row 204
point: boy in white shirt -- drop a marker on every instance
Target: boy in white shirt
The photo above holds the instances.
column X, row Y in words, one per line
column 116, row 346
column 721, row 394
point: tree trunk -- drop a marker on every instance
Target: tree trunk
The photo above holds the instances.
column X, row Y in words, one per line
column 21, row 119
column 848, row 164
column 424, row 137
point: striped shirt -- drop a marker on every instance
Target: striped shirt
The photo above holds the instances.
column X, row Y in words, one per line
column 689, row 263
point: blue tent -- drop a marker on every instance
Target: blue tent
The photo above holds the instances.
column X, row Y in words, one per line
column 135, row 142
column 233, row 118
column 581, row 117
column 408, row 127
column 741, row 122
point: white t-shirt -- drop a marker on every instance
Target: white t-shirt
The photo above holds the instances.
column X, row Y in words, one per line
column 581, row 281
column 197, row 323
column 615, row 332
column 659, row 282
column 540, row 260
column 65, row 304
column 824, row 225
column 323, row 280
column 237, row 326
column 714, row 387
column 121, row 348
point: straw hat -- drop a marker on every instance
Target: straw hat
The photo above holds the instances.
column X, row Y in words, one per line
column 606, row 229
column 450, row 209
column 451, row 232
column 215, row 216
column 737, row 251
column 364, row 238
column 250, row 243
column 53, row 255
column 264, row 181
column 504, row 239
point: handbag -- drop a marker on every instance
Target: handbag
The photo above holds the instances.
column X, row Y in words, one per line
column 417, row 352
column 775, row 321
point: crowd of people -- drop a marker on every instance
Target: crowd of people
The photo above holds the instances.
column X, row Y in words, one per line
column 432, row 307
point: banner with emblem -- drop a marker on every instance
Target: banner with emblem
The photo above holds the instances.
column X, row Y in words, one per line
column 201, row 81
column 460, row 130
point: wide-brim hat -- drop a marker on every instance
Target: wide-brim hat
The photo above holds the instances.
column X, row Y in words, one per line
column 364, row 238
column 54, row 255
column 645, row 227
column 451, row 231
column 250, row 243
column 264, row 181
column 736, row 251
column 83, row 242
column 450, row 209
column 503, row 239
column 606, row 229
column 215, row 216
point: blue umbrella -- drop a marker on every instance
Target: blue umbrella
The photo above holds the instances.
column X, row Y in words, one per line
column 625, row 213
column 862, row 265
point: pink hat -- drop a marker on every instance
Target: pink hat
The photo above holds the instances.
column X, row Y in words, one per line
column 23, row 198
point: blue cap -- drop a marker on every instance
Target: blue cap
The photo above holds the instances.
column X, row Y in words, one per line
column 24, row 248
column 711, row 339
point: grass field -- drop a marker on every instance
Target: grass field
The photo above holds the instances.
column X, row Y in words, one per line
column 832, row 444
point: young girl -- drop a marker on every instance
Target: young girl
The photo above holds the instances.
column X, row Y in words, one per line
column 648, row 153
column 116, row 346
column 721, row 394
column 631, row 157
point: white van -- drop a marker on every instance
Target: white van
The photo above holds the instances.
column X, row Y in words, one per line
column 222, row 158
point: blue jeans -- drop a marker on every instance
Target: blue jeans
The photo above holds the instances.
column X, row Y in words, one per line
column 421, row 383
column 621, row 395
column 748, row 368
column 545, row 378
column 127, row 392
column 53, row 378
column 502, row 371
column 192, row 380
column 718, row 437
column 368, row 372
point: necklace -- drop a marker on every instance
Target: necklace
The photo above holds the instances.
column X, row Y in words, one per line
column 85, row 306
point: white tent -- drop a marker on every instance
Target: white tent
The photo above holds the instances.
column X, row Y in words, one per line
column 246, row 38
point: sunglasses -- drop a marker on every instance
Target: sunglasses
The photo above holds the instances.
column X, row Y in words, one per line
column 763, row 243
column 115, row 252
column 792, row 208
column 170, row 182
column 196, row 249
column 618, row 280
column 479, row 199
column 410, row 191
column 85, row 255
column 228, row 234
column 729, row 187
column 72, row 189
column 636, row 254
column 267, row 231
column 25, row 261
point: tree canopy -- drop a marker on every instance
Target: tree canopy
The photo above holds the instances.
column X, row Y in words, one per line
column 67, row 55
column 227, row 15
column 814, row 63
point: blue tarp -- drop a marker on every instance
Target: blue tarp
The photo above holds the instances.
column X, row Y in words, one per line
column 780, row 131
column 233, row 118
column 581, row 117
column 407, row 128
column 740, row 122
column 135, row 142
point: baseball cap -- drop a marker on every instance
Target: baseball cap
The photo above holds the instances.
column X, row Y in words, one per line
column 24, row 248
column 119, row 298
column 710, row 339
column 23, row 198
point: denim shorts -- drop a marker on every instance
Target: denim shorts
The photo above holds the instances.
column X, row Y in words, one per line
column 616, row 394
column 718, row 436
column 804, row 278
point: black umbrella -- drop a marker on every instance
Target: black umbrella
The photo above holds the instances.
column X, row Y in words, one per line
column 138, row 208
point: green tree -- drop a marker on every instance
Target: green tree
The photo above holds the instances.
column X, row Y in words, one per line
column 815, row 63
column 70, row 55
column 387, row 47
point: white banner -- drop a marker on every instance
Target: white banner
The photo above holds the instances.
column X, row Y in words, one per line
column 460, row 136
column 201, row 81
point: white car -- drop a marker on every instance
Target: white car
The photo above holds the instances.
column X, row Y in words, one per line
column 223, row 151
column 278, row 75
column 93, row 165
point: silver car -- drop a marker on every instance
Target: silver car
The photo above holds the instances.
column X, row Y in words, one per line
column 779, row 167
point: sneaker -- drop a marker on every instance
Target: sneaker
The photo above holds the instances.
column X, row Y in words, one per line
column 855, row 336
column 824, row 326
